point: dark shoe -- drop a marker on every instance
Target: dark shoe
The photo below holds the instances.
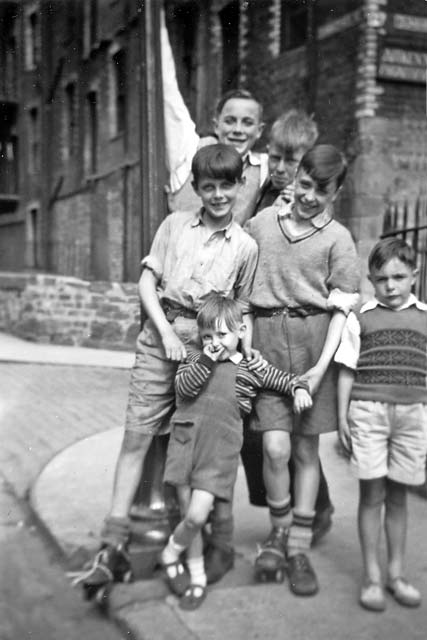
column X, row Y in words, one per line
column 302, row 579
column 193, row 597
column 322, row 523
column 217, row 562
column 176, row 576
column 270, row 562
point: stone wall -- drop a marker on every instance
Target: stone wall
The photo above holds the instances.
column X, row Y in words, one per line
column 68, row 311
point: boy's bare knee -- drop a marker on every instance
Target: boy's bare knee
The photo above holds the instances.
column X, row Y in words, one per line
column 395, row 494
column 372, row 492
column 194, row 521
column 305, row 449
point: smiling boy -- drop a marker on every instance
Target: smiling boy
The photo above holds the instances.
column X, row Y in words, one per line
column 193, row 254
column 307, row 268
column 238, row 123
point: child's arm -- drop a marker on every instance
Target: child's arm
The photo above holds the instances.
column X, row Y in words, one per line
column 194, row 372
column 174, row 348
column 287, row 383
column 315, row 374
column 345, row 384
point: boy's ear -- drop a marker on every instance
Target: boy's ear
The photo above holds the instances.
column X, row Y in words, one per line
column 194, row 185
column 242, row 330
column 215, row 124
column 335, row 196
column 261, row 128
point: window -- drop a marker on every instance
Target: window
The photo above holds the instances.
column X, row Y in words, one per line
column 70, row 119
column 90, row 28
column 32, row 40
column 294, row 24
column 33, row 244
column 119, row 91
column 92, row 137
column 34, row 142
column 8, row 150
column 229, row 18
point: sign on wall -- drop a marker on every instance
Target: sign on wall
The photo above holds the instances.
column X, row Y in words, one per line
column 403, row 65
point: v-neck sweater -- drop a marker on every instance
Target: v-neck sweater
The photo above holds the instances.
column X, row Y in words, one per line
column 301, row 270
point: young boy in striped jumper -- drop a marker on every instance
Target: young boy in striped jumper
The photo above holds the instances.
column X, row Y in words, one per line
column 214, row 389
column 382, row 398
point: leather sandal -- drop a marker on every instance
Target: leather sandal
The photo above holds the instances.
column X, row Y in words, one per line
column 403, row 592
column 176, row 576
column 193, row 597
column 372, row 597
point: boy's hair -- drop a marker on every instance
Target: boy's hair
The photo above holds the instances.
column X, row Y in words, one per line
column 389, row 248
column 216, row 308
column 219, row 161
column 241, row 94
column 294, row 131
column 324, row 163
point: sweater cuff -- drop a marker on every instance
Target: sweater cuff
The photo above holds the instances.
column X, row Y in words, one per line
column 206, row 361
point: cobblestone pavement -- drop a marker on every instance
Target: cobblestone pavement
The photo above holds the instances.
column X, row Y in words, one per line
column 45, row 408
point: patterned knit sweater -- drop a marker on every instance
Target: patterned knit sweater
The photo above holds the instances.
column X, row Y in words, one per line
column 392, row 365
column 193, row 373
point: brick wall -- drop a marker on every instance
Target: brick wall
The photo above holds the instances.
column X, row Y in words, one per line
column 68, row 311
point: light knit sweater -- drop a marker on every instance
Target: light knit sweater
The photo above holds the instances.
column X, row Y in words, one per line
column 301, row 271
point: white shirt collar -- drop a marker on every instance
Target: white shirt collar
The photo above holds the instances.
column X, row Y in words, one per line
column 411, row 301
column 236, row 358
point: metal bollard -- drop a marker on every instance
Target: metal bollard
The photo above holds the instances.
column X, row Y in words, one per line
column 154, row 513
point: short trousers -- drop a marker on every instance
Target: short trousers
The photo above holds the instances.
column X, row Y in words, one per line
column 388, row 440
column 294, row 345
column 151, row 399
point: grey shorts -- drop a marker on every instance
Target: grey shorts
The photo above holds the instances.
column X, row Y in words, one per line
column 294, row 344
column 151, row 399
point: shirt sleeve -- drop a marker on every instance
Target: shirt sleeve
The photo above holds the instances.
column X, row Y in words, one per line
column 155, row 260
column 344, row 264
column 349, row 349
column 248, row 262
column 281, row 381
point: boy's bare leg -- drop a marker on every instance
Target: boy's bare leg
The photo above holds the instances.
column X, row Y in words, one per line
column 276, row 454
column 395, row 526
column 371, row 500
column 302, row 578
column 128, row 472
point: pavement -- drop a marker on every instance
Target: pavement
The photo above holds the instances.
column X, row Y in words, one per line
column 61, row 410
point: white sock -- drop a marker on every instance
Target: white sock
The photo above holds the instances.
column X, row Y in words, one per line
column 172, row 551
column 196, row 567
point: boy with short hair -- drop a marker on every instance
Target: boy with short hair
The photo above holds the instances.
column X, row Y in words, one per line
column 193, row 253
column 382, row 400
column 214, row 389
column 291, row 135
column 238, row 122
column 306, row 278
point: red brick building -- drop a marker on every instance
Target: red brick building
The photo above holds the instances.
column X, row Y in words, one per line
column 81, row 166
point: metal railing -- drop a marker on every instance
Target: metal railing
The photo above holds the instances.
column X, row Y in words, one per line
column 407, row 219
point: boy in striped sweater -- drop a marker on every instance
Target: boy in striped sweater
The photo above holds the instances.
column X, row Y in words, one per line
column 382, row 400
column 214, row 389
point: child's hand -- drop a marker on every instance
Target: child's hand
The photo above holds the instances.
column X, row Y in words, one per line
column 213, row 352
column 344, row 435
column 174, row 348
column 287, row 194
column 302, row 400
column 255, row 360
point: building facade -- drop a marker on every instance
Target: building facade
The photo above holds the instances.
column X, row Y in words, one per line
column 80, row 112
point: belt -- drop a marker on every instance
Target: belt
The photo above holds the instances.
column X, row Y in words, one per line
column 292, row 312
column 173, row 310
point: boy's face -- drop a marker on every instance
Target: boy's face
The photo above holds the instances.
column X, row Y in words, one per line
column 222, row 338
column 282, row 165
column 393, row 283
column 310, row 198
column 218, row 197
column 239, row 124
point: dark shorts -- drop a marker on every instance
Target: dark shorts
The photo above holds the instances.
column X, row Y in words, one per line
column 295, row 344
